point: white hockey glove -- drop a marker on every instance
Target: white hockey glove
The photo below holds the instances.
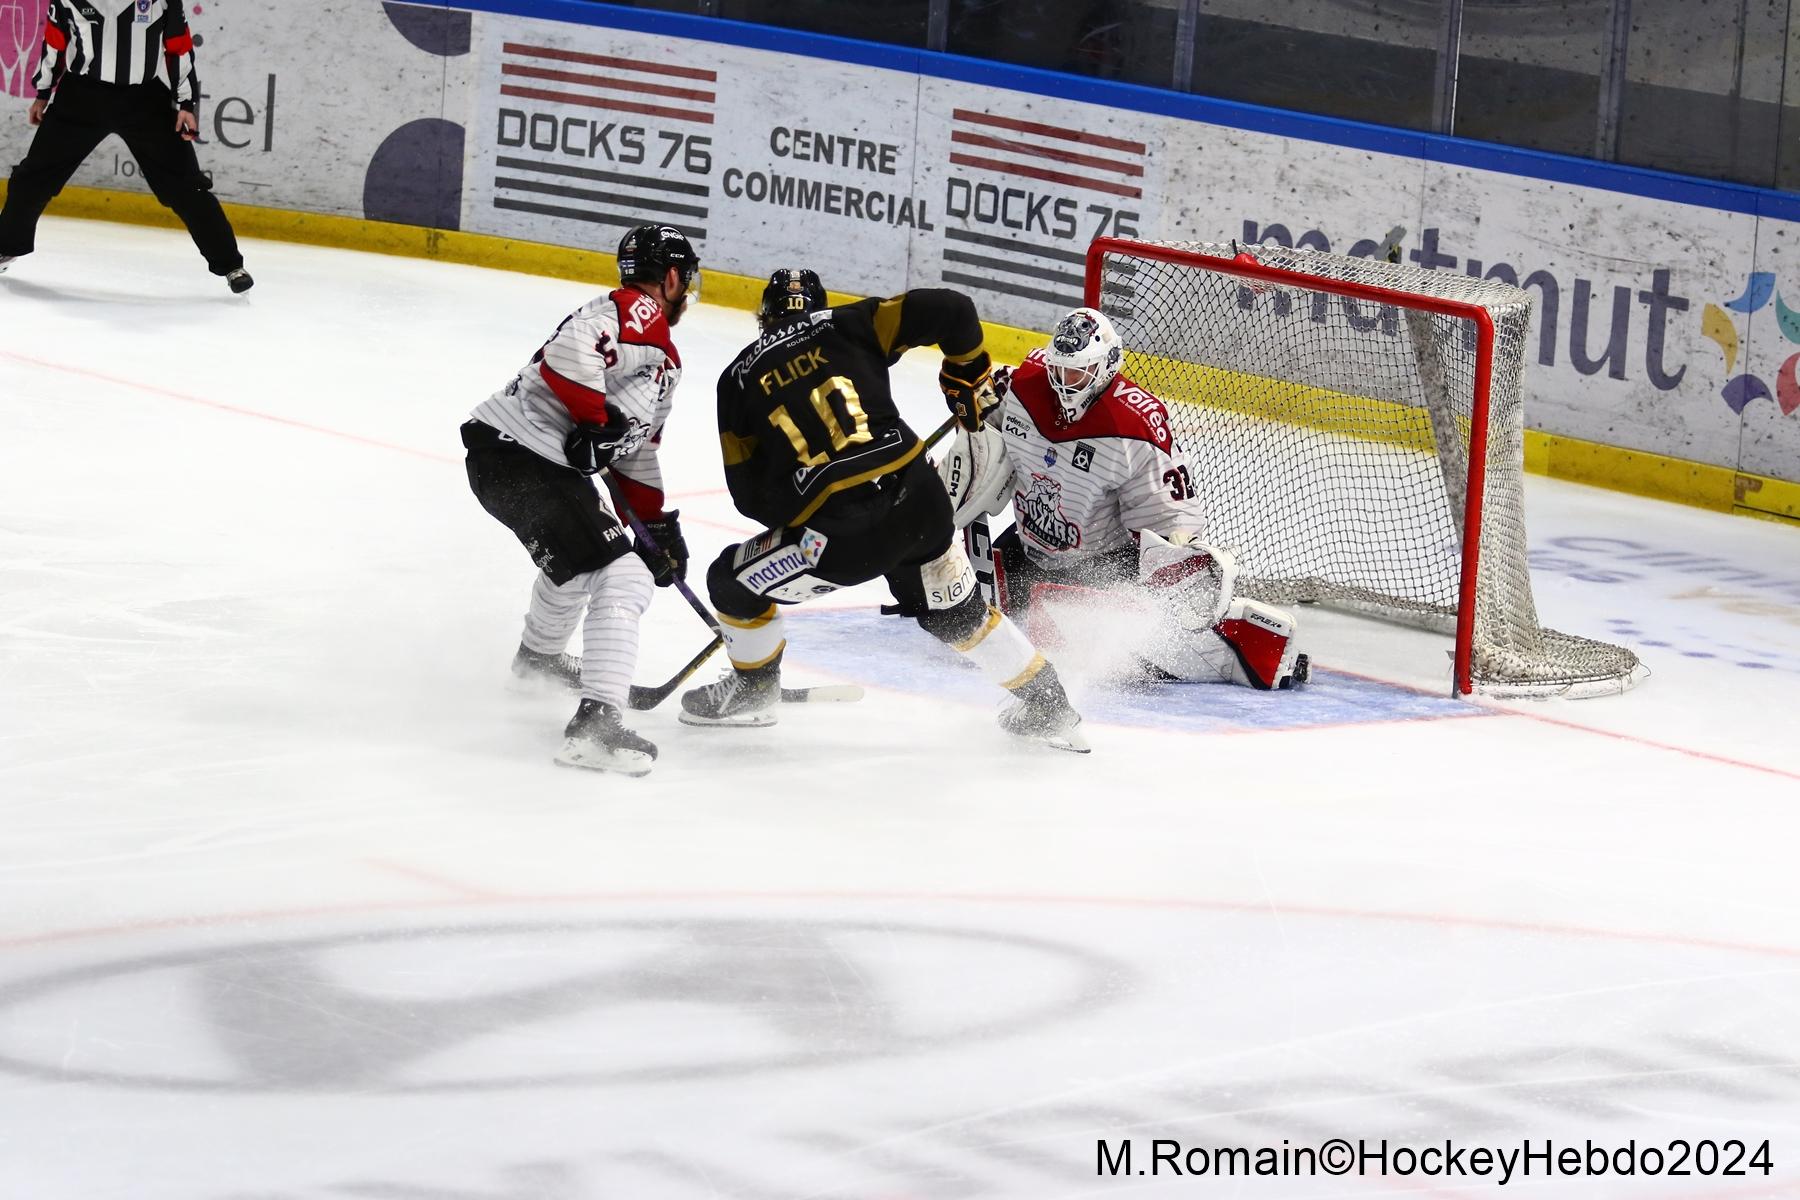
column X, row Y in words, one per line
column 977, row 474
column 1193, row 581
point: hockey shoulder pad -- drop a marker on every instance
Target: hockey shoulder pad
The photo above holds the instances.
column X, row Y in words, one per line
column 977, row 474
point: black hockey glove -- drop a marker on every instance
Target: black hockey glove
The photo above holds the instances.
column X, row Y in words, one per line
column 668, row 561
column 968, row 388
column 590, row 447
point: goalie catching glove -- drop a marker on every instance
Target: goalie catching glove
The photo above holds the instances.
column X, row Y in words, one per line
column 968, row 388
column 977, row 475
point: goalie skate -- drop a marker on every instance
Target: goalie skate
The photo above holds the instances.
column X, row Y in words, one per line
column 1040, row 713
column 596, row 740
column 746, row 699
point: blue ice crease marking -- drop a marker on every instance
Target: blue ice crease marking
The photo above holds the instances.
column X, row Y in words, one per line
column 891, row 652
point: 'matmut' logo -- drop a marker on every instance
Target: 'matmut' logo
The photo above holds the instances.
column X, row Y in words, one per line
column 21, row 36
column 1717, row 326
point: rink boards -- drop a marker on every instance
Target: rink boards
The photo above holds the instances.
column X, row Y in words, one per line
column 1662, row 327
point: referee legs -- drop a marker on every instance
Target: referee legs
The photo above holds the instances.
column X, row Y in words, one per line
column 80, row 117
column 172, row 170
column 72, row 127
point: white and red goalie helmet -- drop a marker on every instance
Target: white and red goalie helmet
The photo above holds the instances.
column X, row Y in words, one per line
column 1082, row 360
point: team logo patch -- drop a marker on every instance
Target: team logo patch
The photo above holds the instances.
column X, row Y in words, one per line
column 812, row 545
column 1083, row 459
column 1041, row 517
column 1050, row 456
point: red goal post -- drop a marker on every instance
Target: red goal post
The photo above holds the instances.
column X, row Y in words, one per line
column 1358, row 431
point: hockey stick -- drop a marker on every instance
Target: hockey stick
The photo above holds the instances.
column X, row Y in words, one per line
column 642, row 698
column 643, row 535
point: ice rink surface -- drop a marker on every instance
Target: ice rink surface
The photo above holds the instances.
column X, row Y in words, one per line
column 293, row 903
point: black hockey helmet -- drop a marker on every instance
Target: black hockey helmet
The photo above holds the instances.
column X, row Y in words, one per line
column 792, row 292
column 647, row 252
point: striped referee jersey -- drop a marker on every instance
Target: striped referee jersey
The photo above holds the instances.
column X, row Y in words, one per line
column 118, row 41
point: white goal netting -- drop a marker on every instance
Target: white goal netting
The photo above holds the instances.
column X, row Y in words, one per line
column 1331, row 405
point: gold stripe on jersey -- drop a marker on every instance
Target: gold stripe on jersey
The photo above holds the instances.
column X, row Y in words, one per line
column 971, row 356
column 736, row 449
column 831, row 490
column 887, row 325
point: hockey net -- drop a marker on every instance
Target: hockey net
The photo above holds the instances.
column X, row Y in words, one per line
column 1358, row 433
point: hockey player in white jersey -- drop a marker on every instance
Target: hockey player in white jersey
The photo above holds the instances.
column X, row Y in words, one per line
column 1105, row 517
column 593, row 398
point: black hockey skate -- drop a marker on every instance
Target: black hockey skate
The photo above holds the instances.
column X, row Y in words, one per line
column 1302, row 672
column 1040, row 712
column 239, row 281
column 596, row 739
column 743, row 698
column 550, row 670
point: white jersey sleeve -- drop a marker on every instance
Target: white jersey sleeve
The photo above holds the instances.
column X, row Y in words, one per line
column 613, row 352
column 1156, row 491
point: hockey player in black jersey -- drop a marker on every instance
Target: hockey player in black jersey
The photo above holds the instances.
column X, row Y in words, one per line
column 816, row 451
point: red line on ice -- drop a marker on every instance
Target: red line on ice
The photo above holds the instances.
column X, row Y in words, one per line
column 471, row 894
column 187, row 398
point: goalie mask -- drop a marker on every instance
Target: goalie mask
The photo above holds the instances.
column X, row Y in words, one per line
column 1082, row 360
column 791, row 294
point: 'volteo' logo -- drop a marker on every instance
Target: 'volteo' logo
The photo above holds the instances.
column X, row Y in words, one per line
column 642, row 312
column 1148, row 407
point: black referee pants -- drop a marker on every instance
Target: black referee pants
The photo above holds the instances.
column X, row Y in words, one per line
column 82, row 115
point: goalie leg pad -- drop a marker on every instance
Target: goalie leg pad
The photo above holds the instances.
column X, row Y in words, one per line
column 1193, row 581
column 1261, row 639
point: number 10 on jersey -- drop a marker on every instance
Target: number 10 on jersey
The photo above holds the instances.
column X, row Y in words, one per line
column 845, row 392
